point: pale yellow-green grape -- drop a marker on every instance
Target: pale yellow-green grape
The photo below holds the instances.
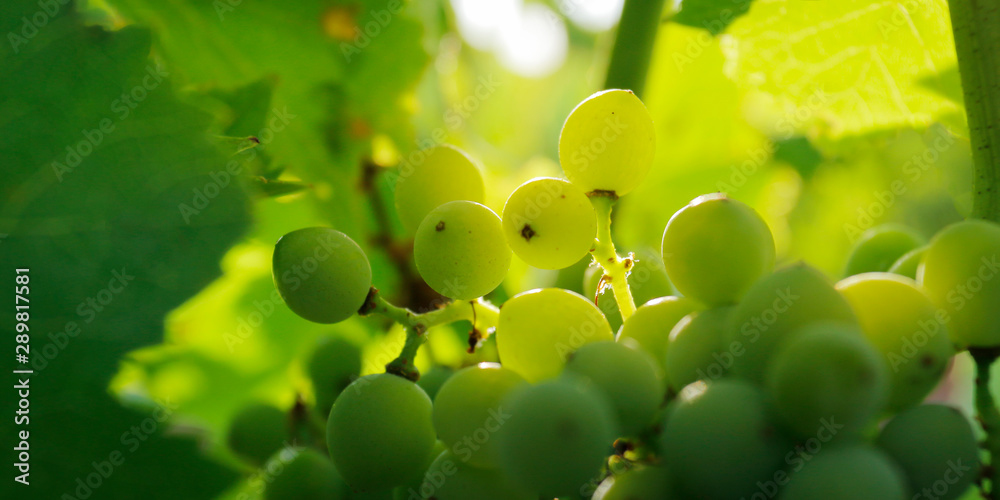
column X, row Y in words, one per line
column 903, row 324
column 432, row 381
column 697, row 349
column 850, row 472
column 715, row 248
column 380, row 433
column 936, row 447
column 626, row 375
column 460, row 250
column 451, row 478
column 638, row 483
column 334, row 364
column 549, row 223
column 608, row 142
column 468, row 411
column 539, row 328
column 879, row 247
column 257, row 431
column 720, row 442
column 961, row 272
column 556, row 437
column 652, row 322
column 308, row 475
column 444, row 173
column 322, row 274
column 829, row 373
column 774, row 309
column 908, row 264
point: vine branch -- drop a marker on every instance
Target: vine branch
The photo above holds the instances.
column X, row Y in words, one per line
column 989, row 417
column 977, row 45
column 616, row 268
column 633, row 47
column 481, row 313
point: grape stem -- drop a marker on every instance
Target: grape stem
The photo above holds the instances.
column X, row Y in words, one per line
column 481, row 313
column 988, row 416
column 977, row 47
column 616, row 268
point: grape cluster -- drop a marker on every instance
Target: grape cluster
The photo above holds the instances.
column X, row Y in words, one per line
column 734, row 378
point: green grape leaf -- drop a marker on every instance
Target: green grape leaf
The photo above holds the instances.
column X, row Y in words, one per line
column 340, row 70
column 712, row 15
column 842, row 68
column 120, row 205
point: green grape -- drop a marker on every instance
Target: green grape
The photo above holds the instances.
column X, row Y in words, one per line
column 549, row 223
column 572, row 277
column 901, row 322
column 774, row 309
column 628, row 378
column 539, row 328
column 715, row 248
column 557, row 436
column 432, row 381
column 960, row 274
column 608, row 142
column 460, row 250
column 307, row 476
column 879, row 247
column 380, row 432
column 449, row 478
column 651, row 323
column 828, row 372
column 605, row 298
column 468, row 411
column 720, row 442
column 908, row 264
column 850, row 472
column 936, row 448
column 257, row 431
column 322, row 274
column 640, row 483
column 334, row 364
column 445, row 174
column 697, row 349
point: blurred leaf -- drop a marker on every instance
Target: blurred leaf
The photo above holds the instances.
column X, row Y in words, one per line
column 841, row 68
column 712, row 15
column 272, row 188
column 114, row 198
column 799, row 153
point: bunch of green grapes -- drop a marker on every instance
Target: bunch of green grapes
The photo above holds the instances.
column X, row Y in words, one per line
column 732, row 379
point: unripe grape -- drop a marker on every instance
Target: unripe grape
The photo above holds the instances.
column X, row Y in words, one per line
column 468, row 407
column 549, row 223
column 322, row 274
column 908, row 264
column 652, row 322
column 715, row 248
column 697, row 348
column 307, row 476
column 257, row 431
column 775, row 308
column 380, row 432
column 849, row 472
column 557, row 436
column 639, row 483
column 608, row 142
column 960, row 272
column 334, row 364
column 445, row 174
column 460, row 250
column 721, row 442
column 902, row 323
column 626, row 376
column 451, row 478
column 879, row 247
column 933, row 444
column 539, row 328
column 828, row 372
